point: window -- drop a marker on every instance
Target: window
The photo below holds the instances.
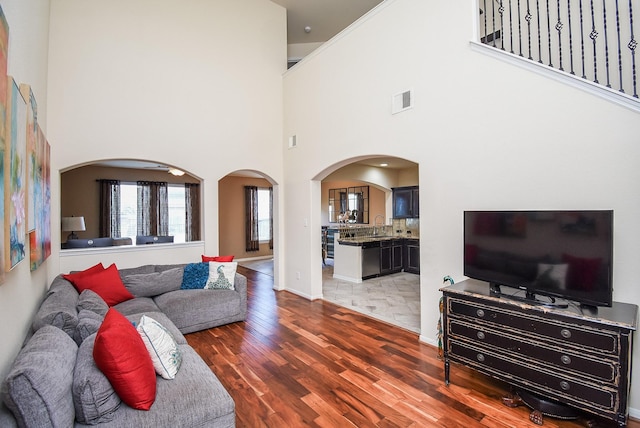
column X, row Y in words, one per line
column 177, row 213
column 129, row 211
column 264, row 215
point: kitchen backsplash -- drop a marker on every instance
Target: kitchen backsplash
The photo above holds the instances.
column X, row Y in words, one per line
column 406, row 227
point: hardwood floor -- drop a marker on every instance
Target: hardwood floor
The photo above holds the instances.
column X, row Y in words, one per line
column 297, row 363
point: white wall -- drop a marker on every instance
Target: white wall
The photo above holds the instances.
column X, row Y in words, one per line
column 195, row 84
column 486, row 135
column 128, row 256
column 188, row 83
column 27, row 63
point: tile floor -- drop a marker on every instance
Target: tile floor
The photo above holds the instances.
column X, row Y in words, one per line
column 393, row 298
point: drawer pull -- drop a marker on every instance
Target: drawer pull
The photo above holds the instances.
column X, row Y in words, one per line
column 480, row 358
column 480, row 335
column 564, row 385
column 565, row 333
column 565, row 359
column 480, row 313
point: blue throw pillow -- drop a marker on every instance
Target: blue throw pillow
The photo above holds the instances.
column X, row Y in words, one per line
column 195, row 276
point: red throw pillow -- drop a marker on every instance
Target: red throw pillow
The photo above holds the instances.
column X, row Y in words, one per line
column 106, row 283
column 217, row 258
column 93, row 269
column 121, row 355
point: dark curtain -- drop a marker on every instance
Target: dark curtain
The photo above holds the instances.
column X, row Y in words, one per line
column 251, row 219
column 153, row 208
column 192, row 212
column 109, row 226
column 271, row 218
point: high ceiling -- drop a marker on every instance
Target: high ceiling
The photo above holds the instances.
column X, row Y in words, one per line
column 325, row 18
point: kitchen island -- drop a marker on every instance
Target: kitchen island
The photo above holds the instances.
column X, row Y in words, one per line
column 357, row 258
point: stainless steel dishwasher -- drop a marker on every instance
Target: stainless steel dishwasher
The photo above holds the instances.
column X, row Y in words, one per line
column 370, row 259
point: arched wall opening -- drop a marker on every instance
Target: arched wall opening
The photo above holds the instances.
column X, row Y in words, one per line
column 381, row 174
column 232, row 219
column 79, row 190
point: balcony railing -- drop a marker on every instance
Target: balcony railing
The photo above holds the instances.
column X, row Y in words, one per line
column 592, row 39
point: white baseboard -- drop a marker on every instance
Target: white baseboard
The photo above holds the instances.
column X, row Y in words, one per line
column 251, row 259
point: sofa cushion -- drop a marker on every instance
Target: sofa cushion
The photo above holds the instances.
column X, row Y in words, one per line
column 137, row 270
column 91, row 301
column 195, row 276
column 38, row 385
column 137, row 306
column 94, row 398
column 162, row 347
column 193, row 310
column 162, row 268
column 107, row 284
column 152, row 284
column 221, row 275
column 58, row 308
column 120, row 354
column 88, row 323
column 195, row 398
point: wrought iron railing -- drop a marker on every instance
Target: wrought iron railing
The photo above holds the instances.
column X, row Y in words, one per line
column 591, row 39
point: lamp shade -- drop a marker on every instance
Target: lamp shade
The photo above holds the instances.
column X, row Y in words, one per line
column 73, row 224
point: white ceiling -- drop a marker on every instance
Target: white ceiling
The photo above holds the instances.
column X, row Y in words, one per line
column 326, row 18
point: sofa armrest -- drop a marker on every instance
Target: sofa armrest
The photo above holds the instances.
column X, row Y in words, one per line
column 240, row 284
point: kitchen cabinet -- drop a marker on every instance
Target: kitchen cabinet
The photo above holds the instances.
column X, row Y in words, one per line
column 386, row 257
column 406, row 202
column 391, row 256
column 396, row 255
column 411, row 255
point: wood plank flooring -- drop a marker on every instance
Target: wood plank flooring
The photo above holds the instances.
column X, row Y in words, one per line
column 297, row 363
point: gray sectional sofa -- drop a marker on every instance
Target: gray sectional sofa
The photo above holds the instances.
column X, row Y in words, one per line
column 54, row 381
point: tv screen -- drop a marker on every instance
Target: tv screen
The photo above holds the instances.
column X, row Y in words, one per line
column 565, row 254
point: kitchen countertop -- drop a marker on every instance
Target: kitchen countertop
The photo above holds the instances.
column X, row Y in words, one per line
column 359, row 241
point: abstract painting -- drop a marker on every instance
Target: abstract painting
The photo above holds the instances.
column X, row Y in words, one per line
column 15, row 176
column 37, row 224
column 34, row 173
column 4, row 97
column 46, row 195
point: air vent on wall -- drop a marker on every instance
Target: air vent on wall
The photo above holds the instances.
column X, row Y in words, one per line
column 401, row 102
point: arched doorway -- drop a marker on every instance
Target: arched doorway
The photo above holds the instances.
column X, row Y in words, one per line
column 390, row 295
column 233, row 217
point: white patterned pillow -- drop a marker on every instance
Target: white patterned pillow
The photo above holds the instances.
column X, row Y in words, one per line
column 162, row 347
column 221, row 275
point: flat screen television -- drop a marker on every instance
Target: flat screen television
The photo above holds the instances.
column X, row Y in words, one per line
column 545, row 255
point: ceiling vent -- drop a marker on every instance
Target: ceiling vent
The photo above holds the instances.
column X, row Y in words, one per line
column 402, row 101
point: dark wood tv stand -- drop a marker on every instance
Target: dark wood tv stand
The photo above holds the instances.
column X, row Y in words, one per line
column 578, row 357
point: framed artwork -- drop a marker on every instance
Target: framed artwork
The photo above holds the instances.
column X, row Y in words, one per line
column 46, row 195
column 15, row 176
column 34, row 158
column 4, row 98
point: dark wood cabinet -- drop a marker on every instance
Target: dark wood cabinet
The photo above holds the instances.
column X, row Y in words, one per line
column 391, row 256
column 411, row 255
column 406, row 202
column 578, row 356
column 386, row 257
column 396, row 255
